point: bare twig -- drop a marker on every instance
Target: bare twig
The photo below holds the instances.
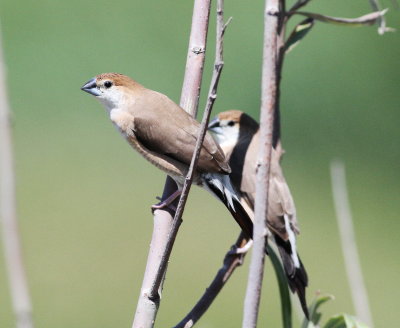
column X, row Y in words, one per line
column 11, row 239
column 368, row 19
column 195, row 58
column 349, row 247
column 299, row 4
column 232, row 260
column 148, row 303
column 235, row 256
column 381, row 20
column 268, row 103
column 212, row 95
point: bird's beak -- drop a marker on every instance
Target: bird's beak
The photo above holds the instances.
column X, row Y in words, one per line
column 214, row 123
column 91, row 87
column 214, row 126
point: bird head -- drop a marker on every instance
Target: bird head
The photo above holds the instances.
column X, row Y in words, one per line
column 229, row 126
column 112, row 89
column 225, row 126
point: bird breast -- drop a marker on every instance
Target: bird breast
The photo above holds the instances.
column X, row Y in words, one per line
column 122, row 120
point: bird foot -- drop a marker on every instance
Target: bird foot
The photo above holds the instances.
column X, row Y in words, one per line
column 242, row 250
column 167, row 202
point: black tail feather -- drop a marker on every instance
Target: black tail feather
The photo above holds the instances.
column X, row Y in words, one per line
column 238, row 212
column 297, row 277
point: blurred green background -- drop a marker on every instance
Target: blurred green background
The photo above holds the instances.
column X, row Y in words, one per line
column 84, row 196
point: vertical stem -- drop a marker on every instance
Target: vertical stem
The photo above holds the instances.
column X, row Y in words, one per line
column 195, row 58
column 12, row 244
column 268, row 103
column 147, row 306
column 349, row 246
column 212, row 95
column 276, row 136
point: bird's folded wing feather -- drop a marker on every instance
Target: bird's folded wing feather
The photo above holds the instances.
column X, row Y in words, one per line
column 248, row 183
column 166, row 128
column 280, row 200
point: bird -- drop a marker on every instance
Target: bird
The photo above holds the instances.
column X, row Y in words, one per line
column 165, row 135
column 238, row 136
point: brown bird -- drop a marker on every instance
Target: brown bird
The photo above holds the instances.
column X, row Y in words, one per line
column 238, row 136
column 165, row 135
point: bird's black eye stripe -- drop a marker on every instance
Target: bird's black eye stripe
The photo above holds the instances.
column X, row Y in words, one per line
column 231, row 123
column 108, row 84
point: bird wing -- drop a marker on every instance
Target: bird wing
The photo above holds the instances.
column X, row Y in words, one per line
column 280, row 200
column 248, row 183
column 162, row 126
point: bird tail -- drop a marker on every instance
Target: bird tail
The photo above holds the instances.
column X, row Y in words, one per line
column 220, row 186
column 295, row 272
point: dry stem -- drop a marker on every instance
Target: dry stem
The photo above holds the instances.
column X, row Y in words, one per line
column 349, row 246
column 268, row 106
column 299, row 4
column 150, row 294
column 212, row 95
column 11, row 239
column 381, row 20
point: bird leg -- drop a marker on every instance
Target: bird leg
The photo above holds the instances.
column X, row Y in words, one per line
column 167, row 202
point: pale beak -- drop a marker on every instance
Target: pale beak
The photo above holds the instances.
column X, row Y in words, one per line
column 214, row 123
column 214, row 126
column 91, row 87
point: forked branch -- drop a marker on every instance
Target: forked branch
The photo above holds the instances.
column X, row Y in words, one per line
column 348, row 240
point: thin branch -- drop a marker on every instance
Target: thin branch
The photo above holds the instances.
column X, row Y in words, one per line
column 349, row 246
column 195, row 57
column 299, row 4
column 232, row 260
column 235, row 256
column 148, row 303
column 268, row 106
column 212, row 95
column 368, row 19
column 282, row 20
column 382, row 28
column 11, row 239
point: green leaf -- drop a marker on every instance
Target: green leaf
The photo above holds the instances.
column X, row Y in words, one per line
column 315, row 316
column 298, row 33
column 368, row 19
column 286, row 306
column 344, row 321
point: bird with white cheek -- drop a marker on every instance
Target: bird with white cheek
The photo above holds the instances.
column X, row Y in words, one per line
column 165, row 135
column 238, row 136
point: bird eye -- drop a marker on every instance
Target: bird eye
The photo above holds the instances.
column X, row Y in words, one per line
column 231, row 123
column 108, row 84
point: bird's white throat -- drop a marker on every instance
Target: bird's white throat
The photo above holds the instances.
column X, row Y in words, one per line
column 114, row 99
column 227, row 137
